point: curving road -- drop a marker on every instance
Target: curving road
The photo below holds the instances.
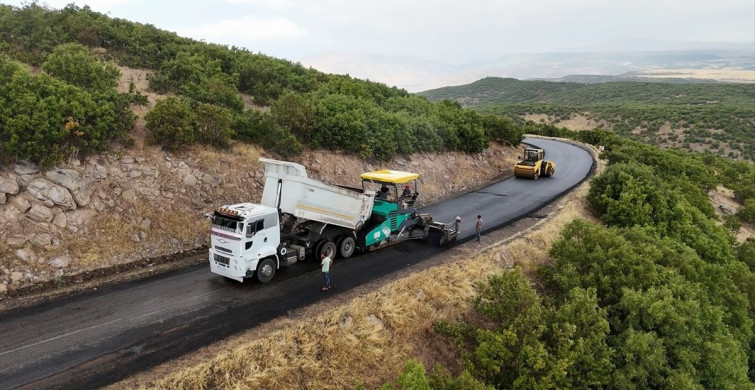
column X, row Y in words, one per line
column 103, row 336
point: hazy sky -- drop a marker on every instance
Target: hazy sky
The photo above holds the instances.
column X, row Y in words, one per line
column 447, row 31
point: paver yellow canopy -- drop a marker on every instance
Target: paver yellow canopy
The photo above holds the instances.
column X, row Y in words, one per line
column 389, row 176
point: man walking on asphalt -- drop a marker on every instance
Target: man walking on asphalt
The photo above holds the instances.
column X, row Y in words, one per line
column 326, row 262
column 478, row 227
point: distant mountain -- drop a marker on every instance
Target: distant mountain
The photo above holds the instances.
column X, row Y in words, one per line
column 692, row 116
column 656, row 45
column 613, row 58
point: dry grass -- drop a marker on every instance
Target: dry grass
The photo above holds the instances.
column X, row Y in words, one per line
column 369, row 338
column 111, row 236
column 240, row 154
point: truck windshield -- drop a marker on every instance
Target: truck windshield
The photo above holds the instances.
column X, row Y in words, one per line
column 223, row 222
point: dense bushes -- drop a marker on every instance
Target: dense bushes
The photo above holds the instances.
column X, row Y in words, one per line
column 74, row 64
column 713, row 116
column 661, row 297
column 261, row 128
column 171, row 123
column 177, row 122
column 307, row 107
column 526, row 343
column 44, row 120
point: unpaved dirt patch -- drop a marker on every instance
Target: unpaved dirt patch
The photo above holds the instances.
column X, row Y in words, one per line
column 576, row 121
column 724, row 203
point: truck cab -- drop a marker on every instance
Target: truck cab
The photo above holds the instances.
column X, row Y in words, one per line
column 244, row 239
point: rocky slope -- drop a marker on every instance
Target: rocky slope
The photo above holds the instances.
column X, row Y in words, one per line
column 127, row 208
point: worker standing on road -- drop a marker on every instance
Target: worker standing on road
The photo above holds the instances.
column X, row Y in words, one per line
column 326, row 262
column 478, row 227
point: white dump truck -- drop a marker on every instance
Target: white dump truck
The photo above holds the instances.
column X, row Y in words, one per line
column 301, row 217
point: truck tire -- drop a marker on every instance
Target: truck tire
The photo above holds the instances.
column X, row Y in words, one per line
column 346, row 246
column 265, row 270
column 327, row 247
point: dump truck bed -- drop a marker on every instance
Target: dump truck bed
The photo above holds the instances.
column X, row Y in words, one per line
column 288, row 188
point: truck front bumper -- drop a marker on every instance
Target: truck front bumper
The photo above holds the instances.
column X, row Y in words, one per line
column 229, row 270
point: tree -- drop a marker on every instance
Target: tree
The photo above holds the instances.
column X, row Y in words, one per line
column 502, row 130
column 414, row 377
column 631, row 194
column 213, row 90
column 689, row 340
column 577, row 337
column 293, row 112
column 45, row 119
column 510, row 354
column 213, row 125
column 171, row 123
column 591, row 256
column 75, row 64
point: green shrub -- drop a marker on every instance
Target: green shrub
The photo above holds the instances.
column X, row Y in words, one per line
column 261, row 128
column 171, row 123
column 746, row 254
column 747, row 212
column 75, row 64
column 213, row 90
column 502, row 130
column 213, row 125
column 631, row 194
column 44, row 120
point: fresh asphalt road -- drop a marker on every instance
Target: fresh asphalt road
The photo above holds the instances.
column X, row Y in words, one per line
column 97, row 338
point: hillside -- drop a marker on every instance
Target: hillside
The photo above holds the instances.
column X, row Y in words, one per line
column 60, row 223
column 633, row 280
column 115, row 131
column 714, row 117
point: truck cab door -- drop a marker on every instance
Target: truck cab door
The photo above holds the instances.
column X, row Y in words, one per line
column 255, row 231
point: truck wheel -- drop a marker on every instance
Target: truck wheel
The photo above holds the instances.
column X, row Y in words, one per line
column 329, row 248
column 265, row 270
column 346, row 246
